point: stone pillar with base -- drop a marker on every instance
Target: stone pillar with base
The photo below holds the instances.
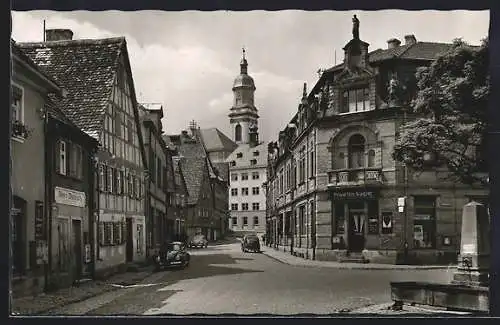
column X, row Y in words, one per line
column 474, row 261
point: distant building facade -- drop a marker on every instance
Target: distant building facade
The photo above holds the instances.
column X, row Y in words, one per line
column 248, row 161
column 335, row 191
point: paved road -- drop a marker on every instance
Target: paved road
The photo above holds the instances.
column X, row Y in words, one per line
column 223, row 280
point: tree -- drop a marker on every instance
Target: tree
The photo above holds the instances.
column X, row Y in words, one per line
column 451, row 108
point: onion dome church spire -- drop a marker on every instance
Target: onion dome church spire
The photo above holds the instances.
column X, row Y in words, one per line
column 243, row 113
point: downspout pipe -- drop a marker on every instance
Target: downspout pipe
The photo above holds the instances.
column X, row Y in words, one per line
column 48, row 159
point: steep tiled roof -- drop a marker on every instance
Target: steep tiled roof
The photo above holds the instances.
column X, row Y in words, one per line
column 215, row 140
column 193, row 170
column 416, row 51
column 223, row 169
column 86, row 69
column 18, row 52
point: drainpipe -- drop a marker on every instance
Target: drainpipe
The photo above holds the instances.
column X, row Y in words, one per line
column 93, row 176
column 47, row 197
column 147, row 202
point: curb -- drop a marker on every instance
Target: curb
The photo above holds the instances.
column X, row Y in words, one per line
column 366, row 266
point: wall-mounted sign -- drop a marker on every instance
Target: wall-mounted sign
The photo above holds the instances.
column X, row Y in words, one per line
column 69, row 197
column 387, row 222
column 39, row 221
column 354, row 195
column 42, row 252
column 373, row 225
column 88, row 254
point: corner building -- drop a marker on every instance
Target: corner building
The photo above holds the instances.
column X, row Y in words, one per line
column 334, row 190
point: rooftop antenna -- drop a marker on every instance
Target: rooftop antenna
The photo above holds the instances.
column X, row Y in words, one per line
column 44, row 30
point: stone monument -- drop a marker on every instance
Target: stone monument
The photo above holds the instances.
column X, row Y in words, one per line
column 469, row 289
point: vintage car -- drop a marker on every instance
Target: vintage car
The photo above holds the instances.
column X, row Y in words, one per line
column 250, row 243
column 172, row 254
column 198, row 241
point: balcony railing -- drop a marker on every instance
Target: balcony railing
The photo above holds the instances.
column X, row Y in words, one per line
column 352, row 177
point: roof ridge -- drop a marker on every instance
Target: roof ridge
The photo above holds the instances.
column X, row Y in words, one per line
column 77, row 42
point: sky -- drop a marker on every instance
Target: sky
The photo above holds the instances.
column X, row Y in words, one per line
column 188, row 60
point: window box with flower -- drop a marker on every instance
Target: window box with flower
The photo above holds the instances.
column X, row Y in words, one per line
column 20, row 130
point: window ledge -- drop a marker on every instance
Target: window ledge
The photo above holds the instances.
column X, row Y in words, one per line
column 17, row 139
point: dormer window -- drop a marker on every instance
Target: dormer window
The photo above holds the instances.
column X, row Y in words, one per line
column 239, row 155
column 253, row 162
column 255, row 153
column 355, row 100
column 233, row 163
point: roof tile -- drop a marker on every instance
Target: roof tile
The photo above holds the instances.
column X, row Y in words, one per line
column 86, row 69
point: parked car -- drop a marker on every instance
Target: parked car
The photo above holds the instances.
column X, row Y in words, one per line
column 198, row 241
column 250, row 243
column 172, row 255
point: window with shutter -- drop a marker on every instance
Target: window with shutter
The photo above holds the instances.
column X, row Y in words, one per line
column 101, row 233
column 110, row 179
column 124, row 232
column 108, row 233
column 101, row 177
column 62, row 157
column 159, row 170
column 117, row 233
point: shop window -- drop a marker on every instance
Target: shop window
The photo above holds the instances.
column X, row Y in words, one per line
column 373, row 217
column 387, row 222
column 424, row 222
column 302, row 220
column 339, row 216
column 356, row 149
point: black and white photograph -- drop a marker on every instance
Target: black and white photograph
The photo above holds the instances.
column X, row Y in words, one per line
column 250, row 163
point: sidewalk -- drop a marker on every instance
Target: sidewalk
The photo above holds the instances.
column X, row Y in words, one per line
column 298, row 261
column 407, row 310
column 44, row 303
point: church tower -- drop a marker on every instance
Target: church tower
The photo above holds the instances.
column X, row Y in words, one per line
column 243, row 115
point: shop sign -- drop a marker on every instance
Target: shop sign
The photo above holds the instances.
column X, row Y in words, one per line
column 354, row 195
column 39, row 221
column 69, row 197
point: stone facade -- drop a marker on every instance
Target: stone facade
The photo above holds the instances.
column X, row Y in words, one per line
column 334, row 191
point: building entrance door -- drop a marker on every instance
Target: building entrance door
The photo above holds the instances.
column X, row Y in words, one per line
column 77, row 248
column 129, row 249
column 356, row 237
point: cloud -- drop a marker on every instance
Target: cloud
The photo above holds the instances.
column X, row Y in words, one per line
column 188, row 60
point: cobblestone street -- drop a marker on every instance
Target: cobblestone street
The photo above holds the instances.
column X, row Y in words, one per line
column 223, row 280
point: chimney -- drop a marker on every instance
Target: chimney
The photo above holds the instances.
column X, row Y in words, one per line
column 410, row 39
column 184, row 133
column 52, row 35
column 393, row 43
